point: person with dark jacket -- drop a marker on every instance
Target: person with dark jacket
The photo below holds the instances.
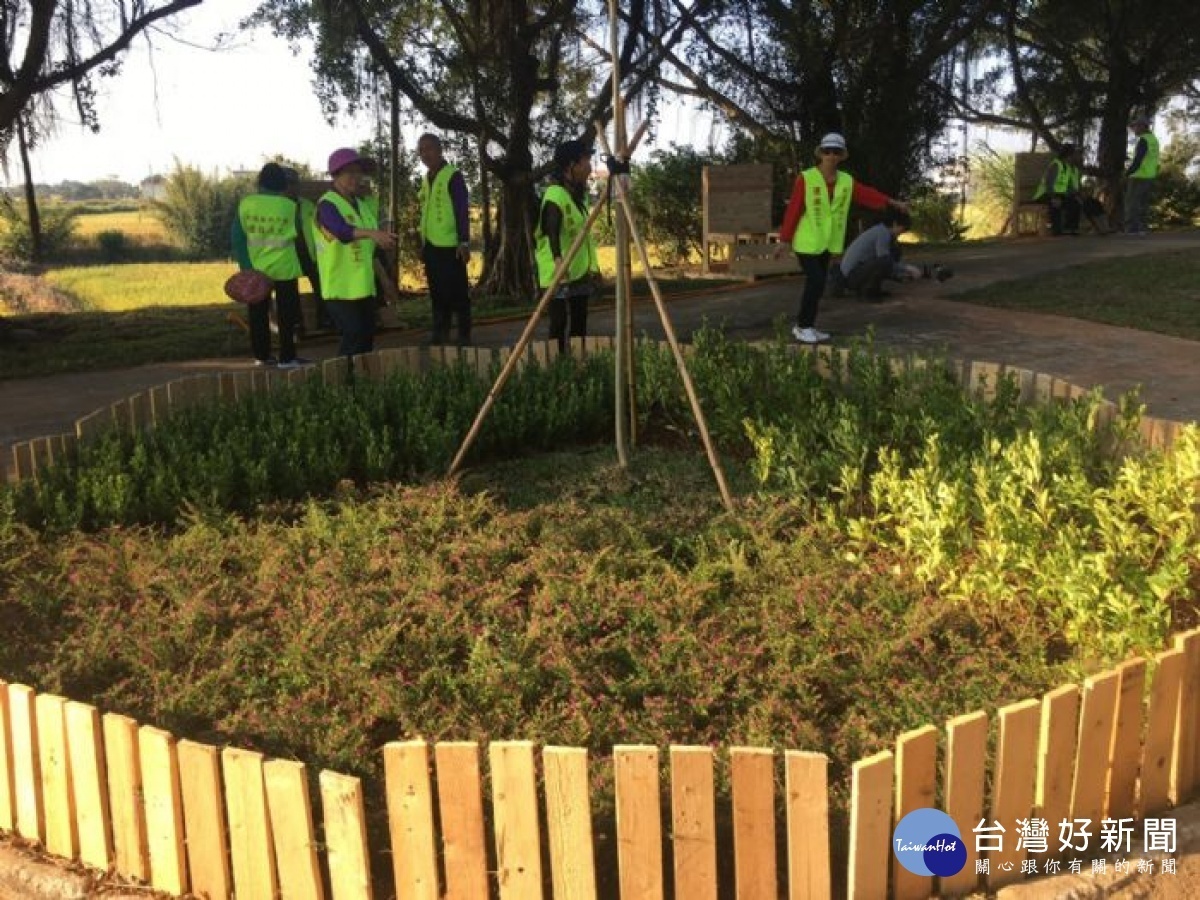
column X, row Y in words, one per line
column 445, row 231
column 563, row 213
column 265, row 237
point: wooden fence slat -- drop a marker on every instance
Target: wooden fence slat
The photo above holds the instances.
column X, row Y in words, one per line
column 122, row 755
column 1056, row 755
column 58, row 801
column 639, row 822
column 204, row 820
column 293, row 835
column 93, row 424
column 569, row 823
column 1126, row 748
column 752, row 772
column 345, row 837
column 693, row 822
column 139, row 411
column 164, row 810
column 515, row 820
column 1186, row 732
column 807, row 786
column 870, row 827
column 24, row 463
column 8, row 800
column 252, row 857
column 1159, row 750
column 89, row 783
column 1015, row 787
column 410, row 820
column 966, row 765
column 916, row 788
column 460, row 804
column 27, row 774
column 1097, row 717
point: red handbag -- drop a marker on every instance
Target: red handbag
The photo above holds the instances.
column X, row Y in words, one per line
column 248, row 286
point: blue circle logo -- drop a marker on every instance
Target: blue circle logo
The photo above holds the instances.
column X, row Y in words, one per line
column 928, row 842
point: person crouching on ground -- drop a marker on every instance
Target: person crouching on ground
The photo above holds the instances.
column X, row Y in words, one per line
column 265, row 237
column 875, row 255
column 346, row 236
column 815, row 225
column 564, row 212
column 1059, row 189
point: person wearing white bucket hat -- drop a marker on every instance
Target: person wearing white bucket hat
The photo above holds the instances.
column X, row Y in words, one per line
column 814, row 225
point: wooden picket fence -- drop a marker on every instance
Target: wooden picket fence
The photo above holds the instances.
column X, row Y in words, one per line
column 186, row 817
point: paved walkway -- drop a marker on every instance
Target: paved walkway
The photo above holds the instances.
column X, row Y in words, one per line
column 921, row 316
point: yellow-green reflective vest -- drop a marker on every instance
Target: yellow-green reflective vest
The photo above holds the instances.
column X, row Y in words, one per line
column 823, row 225
column 308, row 224
column 1148, row 168
column 573, row 218
column 438, row 225
column 269, row 221
column 347, row 270
column 1066, row 179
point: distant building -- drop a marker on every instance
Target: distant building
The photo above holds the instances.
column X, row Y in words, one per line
column 153, row 188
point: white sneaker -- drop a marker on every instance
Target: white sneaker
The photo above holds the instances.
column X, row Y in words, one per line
column 808, row 335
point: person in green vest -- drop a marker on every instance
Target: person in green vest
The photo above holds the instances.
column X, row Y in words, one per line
column 306, row 214
column 445, row 234
column 1139, row 177
column 346, row 236
column 1059, row 190
column 814, row 225
column 265, row 237
column 562, row 215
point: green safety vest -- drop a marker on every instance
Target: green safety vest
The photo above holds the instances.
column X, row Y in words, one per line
column 1066, row 179
column 823, row 225
column 347, row 270
column 438, row 224
column 269, row 221
column 308, row 224
column 1149, row 165
column 584, row 261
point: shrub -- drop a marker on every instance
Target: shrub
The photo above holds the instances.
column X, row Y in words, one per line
column 935, row 217
column 198, row 211
column 114, row 245
column 666, row 198
column 16, row 239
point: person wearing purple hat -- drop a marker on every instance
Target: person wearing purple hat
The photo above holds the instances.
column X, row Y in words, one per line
column 346, row 236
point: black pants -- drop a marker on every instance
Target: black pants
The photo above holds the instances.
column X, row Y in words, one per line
column 355, row 319
column 816, row 268
column 1064, row 218
column 448, row 292
column 867, row 278
column 287, row 308
column 568, row 315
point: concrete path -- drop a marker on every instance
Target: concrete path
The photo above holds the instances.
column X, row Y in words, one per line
column 921, row 316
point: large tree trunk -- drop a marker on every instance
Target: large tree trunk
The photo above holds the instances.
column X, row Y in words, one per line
column 510, row 270
column 35, row 217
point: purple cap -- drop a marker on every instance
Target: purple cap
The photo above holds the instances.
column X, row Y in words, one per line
column 339, row 159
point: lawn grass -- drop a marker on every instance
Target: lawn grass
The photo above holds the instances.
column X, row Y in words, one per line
column 1156, row 293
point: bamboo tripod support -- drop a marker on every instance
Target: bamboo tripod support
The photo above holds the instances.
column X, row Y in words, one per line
column 625, row 391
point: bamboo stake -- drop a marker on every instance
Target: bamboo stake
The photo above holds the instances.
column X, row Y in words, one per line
column 560, row 272
column 624, row 318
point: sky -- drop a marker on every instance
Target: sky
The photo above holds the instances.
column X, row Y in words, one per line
column 219, row 110
column 224, row 110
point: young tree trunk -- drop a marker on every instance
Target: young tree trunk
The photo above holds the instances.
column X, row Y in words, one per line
column 35, row 218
